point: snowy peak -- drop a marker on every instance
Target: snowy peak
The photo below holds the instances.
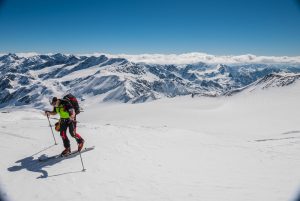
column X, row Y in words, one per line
column 277, row 80
column 273, row 80
column 9, row 58
column 31, row 80
column 222, row 68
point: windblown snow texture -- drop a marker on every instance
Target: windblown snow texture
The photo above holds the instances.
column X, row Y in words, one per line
column 243, row 147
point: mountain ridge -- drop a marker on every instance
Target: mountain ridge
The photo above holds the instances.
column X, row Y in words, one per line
column 32, row 80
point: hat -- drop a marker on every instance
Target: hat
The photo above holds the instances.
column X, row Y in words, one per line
column 54, row 99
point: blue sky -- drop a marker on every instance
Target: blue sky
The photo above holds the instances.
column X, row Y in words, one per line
column 220, row 27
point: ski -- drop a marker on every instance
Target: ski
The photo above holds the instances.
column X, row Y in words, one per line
column 71, row 155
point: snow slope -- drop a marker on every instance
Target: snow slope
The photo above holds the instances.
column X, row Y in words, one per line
column 244, row 147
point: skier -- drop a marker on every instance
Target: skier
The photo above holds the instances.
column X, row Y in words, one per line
column 67, row 120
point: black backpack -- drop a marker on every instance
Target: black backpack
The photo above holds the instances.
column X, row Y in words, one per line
column 73, row 101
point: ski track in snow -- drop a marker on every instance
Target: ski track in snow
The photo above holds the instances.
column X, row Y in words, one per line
column 164, row 159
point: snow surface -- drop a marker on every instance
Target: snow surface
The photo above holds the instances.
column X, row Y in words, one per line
column 244, row 147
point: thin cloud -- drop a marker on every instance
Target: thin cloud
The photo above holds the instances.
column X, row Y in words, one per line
column 190, row 58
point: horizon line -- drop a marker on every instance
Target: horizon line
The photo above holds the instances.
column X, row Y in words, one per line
column 182, row 58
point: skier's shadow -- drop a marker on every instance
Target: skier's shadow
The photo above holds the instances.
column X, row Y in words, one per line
column 34, row 165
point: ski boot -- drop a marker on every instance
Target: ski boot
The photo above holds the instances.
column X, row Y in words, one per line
column 66, row 152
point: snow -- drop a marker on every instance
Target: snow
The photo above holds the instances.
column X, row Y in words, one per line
column 244, row 147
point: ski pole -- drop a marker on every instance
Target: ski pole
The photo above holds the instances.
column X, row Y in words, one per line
column 51, row 129
column 83, row 169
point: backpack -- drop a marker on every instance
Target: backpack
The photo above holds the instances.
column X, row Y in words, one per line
column 73, row 101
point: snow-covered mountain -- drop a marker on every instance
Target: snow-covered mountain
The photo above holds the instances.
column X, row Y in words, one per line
column 269, row 81
column 244, row 147
column 31, row 80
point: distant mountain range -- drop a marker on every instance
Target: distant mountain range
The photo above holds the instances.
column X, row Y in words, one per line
column 32, row 80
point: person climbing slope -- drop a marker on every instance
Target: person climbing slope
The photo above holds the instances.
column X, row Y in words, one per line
column 67, row 114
